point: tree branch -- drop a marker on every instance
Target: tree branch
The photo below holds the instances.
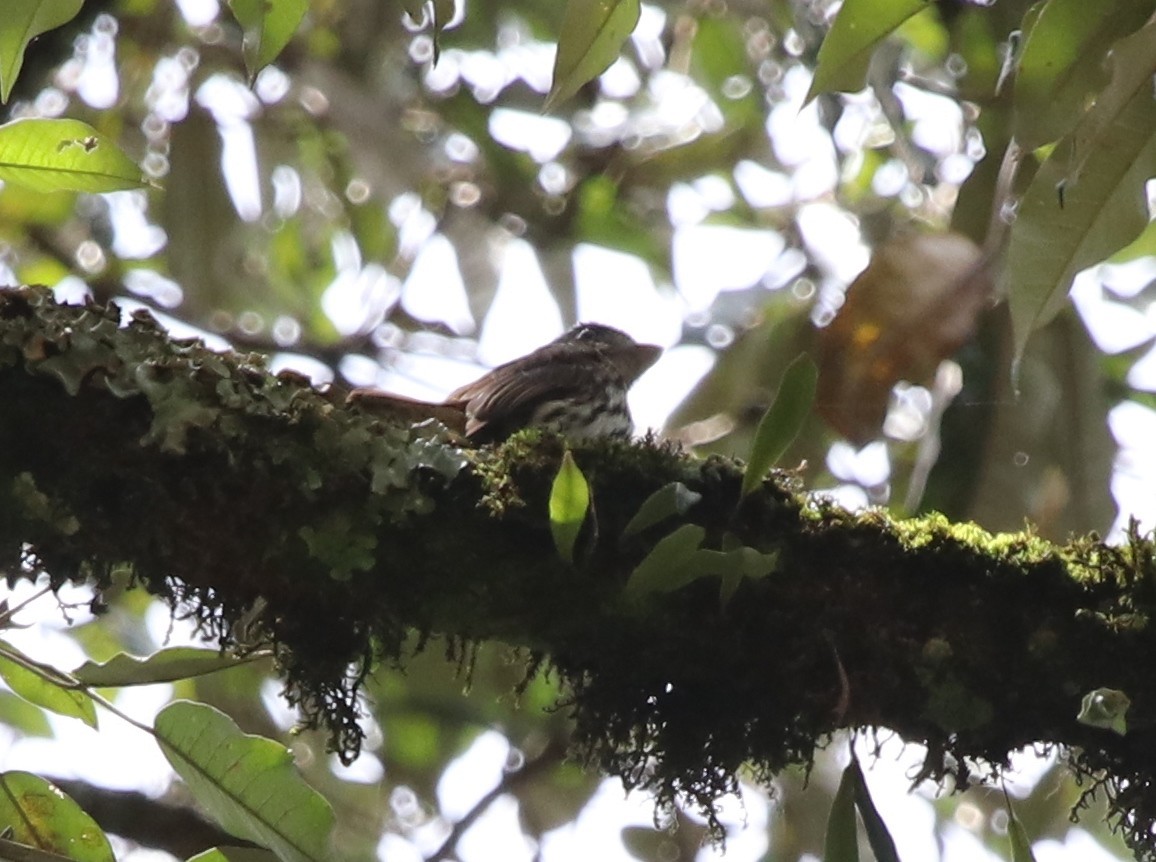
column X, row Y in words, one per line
column 220, row 485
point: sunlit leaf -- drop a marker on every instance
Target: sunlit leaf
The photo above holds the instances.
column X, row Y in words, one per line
column 64, row 155
column 165, row 665
column 667, row 566
column 1063, row 226
column 842, row 840
column 41, row 816
column 846, row 51
column 1062, row 65
column 1106, row 708
column 671, row 499
column 783, row 420
column 43, row 687
column 268, row 26
column 878, row 836
column 23, row 21
column 247, row 783
column 591, row 37
column 1142, row 246
column 569, row 501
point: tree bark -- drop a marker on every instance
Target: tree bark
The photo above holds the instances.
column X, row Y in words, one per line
column 257, row 501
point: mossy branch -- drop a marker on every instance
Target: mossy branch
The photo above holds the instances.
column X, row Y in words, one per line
column 256, row 500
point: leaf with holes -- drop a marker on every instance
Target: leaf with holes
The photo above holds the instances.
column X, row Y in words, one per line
column 64, row 155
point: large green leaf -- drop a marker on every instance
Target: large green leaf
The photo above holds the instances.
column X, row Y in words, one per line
column 268, row 26
column 1062, row 63
column 842, row 839
column 1132, row 63
column 40, row 816
column 846, row 51
column 878, row 835
column 783, row 420
column 165, row 665
column 1065, row 225
column 247, row 783
column 23, row 21
column 64, row 155
column 569, row 502
column 43, row 686
column 592, row 35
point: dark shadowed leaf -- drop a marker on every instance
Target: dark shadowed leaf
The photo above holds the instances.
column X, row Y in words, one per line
column 842, row 841
column 878, row 836
column 671, row 499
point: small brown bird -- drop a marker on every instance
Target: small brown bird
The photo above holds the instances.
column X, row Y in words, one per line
column 575, row 385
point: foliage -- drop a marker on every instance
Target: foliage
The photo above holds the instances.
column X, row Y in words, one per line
column 303, row 166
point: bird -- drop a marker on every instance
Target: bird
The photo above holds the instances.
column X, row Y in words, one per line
column 574, row 386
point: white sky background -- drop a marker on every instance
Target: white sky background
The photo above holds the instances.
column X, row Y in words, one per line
column 612, row 288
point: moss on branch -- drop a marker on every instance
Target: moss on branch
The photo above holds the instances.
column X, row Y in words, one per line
column 249, row 499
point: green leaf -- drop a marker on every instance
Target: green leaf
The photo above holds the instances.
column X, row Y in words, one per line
column 247, row 783
column 842, row 840
column 1142, row 246
column 592, row 35
column 569, row 502
column 1061, row 66
column 1132, row 63
column 15, row 851
column 1063, row 226
column 234, row 854
column 1021, row 844
column 63, row 155
column 878, row 837
column 671, row 499
column 23, row 21
column 165, row 665
column 268, row 26
column 44, row 686
column 846, row 51
column 40, row 816
column 1106, row 708
column 783, row 420
column 669, row 565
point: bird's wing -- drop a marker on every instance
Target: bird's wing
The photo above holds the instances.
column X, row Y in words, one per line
column 511, row 392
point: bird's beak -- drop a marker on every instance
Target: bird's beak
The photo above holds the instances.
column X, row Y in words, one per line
column 634, row 360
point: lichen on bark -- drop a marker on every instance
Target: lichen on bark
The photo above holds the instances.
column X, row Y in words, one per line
column 235, row 494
